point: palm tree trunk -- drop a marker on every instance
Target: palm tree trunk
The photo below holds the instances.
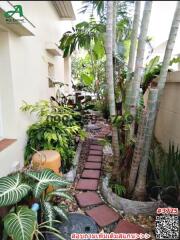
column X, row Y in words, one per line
column 140, row 189
column 110, row 80
column 169, row 49
column 137, row 153
column 132, row 52
column 153, row 102
column 140, row 57
column 114, row 27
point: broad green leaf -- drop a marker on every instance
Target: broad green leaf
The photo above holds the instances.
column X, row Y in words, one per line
column 87, row 79
column 61, row 193
column 52, row 231
column 60, row 211
column 20, row 225
column 12, row 190
column 48, row 212
column 45, row 178
column 99, row 49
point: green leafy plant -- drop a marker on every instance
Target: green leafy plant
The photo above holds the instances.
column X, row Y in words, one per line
column 153, row 69
column 22, row 225
column 56, row 129
column 165, row 166
column 51, row 210
column 119, row 189
column 42, row 181
column 84, row 35
column 21, row 222
column 170, row 167
column 12, row 190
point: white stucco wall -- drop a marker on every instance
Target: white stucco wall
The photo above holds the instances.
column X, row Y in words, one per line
column 24, row 74
column 167, row 127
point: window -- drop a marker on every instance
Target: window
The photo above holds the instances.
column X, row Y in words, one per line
column 51, row 75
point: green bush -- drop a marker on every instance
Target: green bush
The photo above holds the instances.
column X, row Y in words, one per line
column 165, row 166
column 57, row 128
column 118, row 189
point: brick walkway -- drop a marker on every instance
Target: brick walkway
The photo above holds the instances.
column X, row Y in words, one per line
column 88, row 198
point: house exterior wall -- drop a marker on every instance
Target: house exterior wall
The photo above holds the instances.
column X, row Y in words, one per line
column 24, row 75
column 167, row 127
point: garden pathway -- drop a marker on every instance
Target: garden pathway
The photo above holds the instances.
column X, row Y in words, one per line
column 88, row 197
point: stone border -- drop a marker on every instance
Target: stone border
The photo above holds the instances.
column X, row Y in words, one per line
column 127, row 205
column 70, row 176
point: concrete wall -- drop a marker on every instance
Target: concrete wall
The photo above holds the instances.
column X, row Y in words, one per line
column 24, row 75
column 167, row 127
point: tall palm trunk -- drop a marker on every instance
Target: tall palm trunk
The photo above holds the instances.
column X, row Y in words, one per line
column 154, row 96
column 137, row 153
column 169, row 49
column 132, row 52
column 140, row 189
column 110, row 80
column 140, row 57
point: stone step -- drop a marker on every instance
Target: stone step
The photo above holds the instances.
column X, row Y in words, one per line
column 94, row 158
column 88, row 199
column 92, row 174
column 125, row 226
column 94, row 141
column 95, row 153
column 100, row 136
column 92, row 165
column 96, row 147
column 103, row 215
column 87, row 184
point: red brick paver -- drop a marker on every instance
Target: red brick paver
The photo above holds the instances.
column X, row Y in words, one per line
column 88, row 199
column 100, row 136
column 94, row 159
column 87, row 184
column 103, row 215
column 96, row 147
column 95, row 153
column 124, row 226
column 92, row 174
column 92, row 165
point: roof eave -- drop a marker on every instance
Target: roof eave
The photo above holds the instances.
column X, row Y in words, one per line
column 64, row 9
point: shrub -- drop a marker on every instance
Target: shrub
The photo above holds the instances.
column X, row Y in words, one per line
column 57, row 128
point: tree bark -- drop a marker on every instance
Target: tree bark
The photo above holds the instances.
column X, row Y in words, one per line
column 140, row 57
column 154, row 95
column 140, row 189
column 132, row 52
column 137, row 153
column 169, row 49
column 110, row 80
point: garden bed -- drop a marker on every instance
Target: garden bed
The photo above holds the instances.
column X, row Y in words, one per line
column 127, row 205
